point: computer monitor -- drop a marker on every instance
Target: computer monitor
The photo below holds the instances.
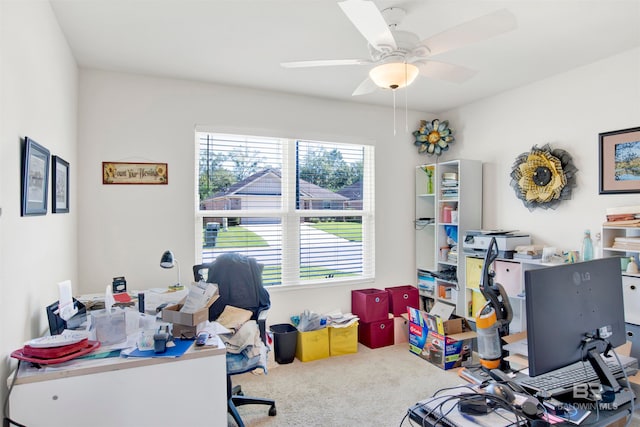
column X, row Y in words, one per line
column 571, row 309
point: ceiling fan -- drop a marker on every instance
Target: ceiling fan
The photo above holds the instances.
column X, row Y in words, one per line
column 398, row 57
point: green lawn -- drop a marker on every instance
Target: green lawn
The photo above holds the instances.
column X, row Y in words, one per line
column 351, row 231
column 272, row 274
column 238, row 236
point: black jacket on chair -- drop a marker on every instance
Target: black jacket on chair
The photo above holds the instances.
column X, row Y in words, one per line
column 239, row 280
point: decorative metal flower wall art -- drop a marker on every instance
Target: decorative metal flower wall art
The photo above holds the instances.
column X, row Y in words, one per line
column 433, row 137
column 543, row 177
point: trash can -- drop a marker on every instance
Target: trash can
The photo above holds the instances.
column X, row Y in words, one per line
column 285, row 338
column 211, row 234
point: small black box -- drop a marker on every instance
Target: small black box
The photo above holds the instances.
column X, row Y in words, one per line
column 57, row 324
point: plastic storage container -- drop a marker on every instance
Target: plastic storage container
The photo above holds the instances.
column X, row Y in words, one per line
column 489, row 348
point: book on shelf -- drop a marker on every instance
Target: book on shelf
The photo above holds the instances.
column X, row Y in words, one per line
column 624, row 223
column 623, row 210
column 519, row 255
column 621, row 217
column 628, row 243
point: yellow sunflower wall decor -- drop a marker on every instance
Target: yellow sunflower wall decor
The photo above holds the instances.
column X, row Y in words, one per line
column 433, row 137
column 543, row 177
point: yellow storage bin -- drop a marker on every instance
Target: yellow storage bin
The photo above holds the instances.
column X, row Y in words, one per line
column 473, row 272
column 477, row 302
column 312, row 345
column 343, row 340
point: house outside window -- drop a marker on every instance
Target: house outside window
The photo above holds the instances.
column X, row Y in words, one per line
column 303, row 209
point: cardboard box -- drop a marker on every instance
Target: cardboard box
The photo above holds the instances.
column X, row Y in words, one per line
column 186, row 331
column 445, row 343
column 188, row 321
column 343, row 340
column 401, row 329
column 312, row 345
column 517, row 350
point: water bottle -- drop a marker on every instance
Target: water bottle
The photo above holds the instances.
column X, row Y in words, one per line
column 587, row 246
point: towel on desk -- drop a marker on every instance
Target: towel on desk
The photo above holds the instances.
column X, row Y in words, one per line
column 246, row 339
column 245, row 349
column 233, row 318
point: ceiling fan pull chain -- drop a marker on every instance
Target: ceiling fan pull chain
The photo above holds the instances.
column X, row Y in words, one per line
column 406, row 101
column 394, row 111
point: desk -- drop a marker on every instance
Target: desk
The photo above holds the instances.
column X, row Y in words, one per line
column 607, row 418
column 137, row 392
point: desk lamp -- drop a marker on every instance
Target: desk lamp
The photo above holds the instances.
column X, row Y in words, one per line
column 168, row 261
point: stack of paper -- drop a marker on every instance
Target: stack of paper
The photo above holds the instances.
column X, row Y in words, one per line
column 627, row 243
column 199, row 296
column 338, row 319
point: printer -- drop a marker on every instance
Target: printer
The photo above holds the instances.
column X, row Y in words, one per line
column 477, row 241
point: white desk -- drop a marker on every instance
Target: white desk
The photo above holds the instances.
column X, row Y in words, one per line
column 137, row 392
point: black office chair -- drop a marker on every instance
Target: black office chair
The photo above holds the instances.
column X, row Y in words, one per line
column 239, row 280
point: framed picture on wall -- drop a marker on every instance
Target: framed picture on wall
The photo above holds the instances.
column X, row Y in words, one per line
column 59, row 185
column 135, row 173
column 620, row 161
column 35, row 178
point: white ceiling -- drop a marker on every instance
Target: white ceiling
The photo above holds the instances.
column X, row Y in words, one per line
column 242, row 42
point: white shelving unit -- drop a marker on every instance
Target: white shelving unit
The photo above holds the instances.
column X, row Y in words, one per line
column 442, row 217
column 630, row 282
column 510, row 274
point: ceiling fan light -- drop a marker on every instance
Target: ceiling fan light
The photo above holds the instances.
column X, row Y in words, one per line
column 393, row 75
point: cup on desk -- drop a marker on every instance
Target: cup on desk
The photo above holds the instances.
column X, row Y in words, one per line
column 147, row 321
column 110, row 327
column 145, row 339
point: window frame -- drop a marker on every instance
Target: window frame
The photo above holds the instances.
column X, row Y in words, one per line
column 289, row 216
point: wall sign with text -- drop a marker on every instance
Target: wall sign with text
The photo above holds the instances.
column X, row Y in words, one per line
column 134, row 173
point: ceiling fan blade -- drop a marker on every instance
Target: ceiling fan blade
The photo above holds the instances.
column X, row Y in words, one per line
column 324, row 63
column 366, row 17
column 443, row 71
column 367, row 86
column 481, row 28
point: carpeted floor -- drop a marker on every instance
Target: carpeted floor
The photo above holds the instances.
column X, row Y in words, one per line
column 368, row 388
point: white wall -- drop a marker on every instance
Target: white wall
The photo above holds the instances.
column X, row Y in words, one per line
column 123, row 230
column 567, row 111
column 38, row 98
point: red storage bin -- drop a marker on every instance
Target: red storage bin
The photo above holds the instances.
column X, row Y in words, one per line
column 370, row 304
column 376, row 334
column 401, row 297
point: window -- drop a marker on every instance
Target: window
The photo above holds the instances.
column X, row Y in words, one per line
column 303, row 209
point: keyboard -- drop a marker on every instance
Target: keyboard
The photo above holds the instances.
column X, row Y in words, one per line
column 562, row 380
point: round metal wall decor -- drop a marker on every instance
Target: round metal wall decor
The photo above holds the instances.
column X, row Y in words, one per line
column 543, row 177
column 433, row 137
